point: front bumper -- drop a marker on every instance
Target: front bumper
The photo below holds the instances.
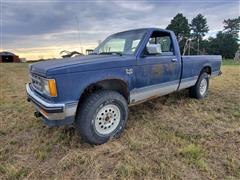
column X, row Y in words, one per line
column 53, row 113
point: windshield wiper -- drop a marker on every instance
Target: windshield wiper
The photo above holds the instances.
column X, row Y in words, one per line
column 111, row 53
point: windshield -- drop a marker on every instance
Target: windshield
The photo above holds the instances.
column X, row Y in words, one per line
column 121, row 43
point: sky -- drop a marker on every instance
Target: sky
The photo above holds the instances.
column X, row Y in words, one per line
column 42, row 28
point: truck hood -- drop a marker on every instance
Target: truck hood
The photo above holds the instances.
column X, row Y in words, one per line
column 83, row 63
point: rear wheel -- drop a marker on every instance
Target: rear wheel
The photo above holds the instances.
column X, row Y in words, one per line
column 200, row 90
column 102, row 116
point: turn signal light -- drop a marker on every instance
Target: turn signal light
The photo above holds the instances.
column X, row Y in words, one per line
column 52, row 87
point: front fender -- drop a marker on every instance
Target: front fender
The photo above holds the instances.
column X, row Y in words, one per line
column 71, row 86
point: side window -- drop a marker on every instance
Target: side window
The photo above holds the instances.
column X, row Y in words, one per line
column 159, row 44
column 152, row 40
column 166, row 43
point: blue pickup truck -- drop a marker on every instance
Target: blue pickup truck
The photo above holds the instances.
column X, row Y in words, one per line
column 93, row 92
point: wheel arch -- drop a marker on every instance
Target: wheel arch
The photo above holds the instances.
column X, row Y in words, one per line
column 114, row 84
column 207, row 68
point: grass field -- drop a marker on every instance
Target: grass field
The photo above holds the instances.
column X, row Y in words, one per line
column 171, row 137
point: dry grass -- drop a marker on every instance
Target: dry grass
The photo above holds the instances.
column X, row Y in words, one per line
column 172, row 137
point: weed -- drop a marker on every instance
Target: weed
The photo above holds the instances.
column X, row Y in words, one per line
column 194, row 155
column 12, row 172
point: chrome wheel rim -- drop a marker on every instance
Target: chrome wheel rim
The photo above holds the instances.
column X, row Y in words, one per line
column 203, row 86
column 107, row 119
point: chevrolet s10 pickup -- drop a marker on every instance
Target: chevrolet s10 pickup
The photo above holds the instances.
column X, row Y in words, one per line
column 93, row 92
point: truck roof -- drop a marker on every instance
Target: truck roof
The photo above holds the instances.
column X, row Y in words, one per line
column 146, row 29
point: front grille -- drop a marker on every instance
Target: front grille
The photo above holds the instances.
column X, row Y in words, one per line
column 36, row 82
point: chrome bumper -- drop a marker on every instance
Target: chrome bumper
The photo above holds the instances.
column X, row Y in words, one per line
column 51, row 111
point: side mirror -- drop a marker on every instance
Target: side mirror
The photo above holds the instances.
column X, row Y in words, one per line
column 154, row 49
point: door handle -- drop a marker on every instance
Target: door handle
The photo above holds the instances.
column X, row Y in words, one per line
column 174, row 60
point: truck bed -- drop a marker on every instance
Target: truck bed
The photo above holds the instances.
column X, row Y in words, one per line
column 192, row 65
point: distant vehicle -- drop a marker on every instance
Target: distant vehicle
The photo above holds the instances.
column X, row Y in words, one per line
column 89, row 51
column 93, row 92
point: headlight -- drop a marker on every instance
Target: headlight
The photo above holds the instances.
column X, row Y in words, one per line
column 49, row 87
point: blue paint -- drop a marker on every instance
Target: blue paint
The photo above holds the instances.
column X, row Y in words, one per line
column 74, row 75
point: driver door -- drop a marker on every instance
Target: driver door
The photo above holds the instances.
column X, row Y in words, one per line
column 157, row 73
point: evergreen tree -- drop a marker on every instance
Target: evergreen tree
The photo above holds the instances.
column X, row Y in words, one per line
column 199, row 27
column 232, row 26
column 179, row 25
column 224, row 44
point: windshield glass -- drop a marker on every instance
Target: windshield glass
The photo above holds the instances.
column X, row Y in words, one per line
column 121, row 43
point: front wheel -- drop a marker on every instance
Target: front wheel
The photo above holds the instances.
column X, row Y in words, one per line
column 102, row 116
column 200, row 90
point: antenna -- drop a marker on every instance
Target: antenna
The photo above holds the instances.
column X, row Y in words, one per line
column 78, row 30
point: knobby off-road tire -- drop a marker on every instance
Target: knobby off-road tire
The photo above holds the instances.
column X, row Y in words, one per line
column 102, row 116
column 200, row 89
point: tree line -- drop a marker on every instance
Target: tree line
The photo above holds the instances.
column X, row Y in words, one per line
column 191, row 36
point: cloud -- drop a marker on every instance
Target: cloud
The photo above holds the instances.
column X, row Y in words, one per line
column 40, row 24
column 133, row 6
